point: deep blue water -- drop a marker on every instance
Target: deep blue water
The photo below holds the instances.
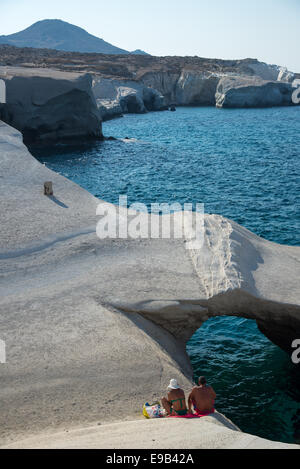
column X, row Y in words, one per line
column 245, row 165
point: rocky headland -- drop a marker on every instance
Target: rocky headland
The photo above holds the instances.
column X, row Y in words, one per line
column 95, row 327
column 50, row 105
column 141, row 83
column 249, row 92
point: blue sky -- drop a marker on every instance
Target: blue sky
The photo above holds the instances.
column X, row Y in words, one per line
column 265, row 29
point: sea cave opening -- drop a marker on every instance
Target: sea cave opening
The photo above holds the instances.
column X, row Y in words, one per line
column 257, row 385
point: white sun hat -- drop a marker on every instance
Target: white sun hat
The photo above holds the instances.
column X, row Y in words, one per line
column 173, row 384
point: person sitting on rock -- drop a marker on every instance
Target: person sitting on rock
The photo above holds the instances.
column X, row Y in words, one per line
column 174, row 404
column 203, row 398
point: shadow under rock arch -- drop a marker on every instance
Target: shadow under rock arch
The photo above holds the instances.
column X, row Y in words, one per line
column 2, row 92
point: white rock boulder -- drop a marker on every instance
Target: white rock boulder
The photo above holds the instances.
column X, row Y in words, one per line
column 48, row 105
column 115, row 97
column 248, row 92
column 285, row 75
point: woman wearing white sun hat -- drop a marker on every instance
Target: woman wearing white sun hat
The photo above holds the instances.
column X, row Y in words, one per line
column 175, row 404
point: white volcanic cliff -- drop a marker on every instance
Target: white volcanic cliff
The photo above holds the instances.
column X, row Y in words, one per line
column 192, row 88
column 115, row 97
column 126, row 84
column 93, row 328
column 50, row 105
column 248, row 92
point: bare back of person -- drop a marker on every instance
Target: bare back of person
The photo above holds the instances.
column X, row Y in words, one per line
column 202, row 398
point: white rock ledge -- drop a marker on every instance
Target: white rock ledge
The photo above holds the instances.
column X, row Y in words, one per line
column 95, row 328
column 207, row 433
column 49, row 105
column 252, row 92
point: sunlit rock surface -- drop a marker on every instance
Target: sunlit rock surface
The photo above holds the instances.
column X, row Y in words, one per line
column 115, row 97
column 94, row 328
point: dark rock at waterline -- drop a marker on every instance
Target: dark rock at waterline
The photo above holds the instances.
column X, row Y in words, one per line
column 280, row 332
column 116, row 97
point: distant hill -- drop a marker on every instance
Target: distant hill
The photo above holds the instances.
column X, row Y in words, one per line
column 139, row 52
column 59, row 35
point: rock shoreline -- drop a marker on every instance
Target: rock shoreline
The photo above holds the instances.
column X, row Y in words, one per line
column 90, row 88
column 94, row 327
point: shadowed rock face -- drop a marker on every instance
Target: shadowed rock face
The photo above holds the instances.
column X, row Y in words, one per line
column 280, row 333
column 115, row 97
column 50, row 106
column 241, row 92
column 196, row 89
column 187, row 88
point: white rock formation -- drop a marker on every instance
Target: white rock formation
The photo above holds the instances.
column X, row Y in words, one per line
column 115, row 97
column 196, row 88
column 109, row 109
column 247, row 92
column 164, row 82
column 214, row 432
column 50, row 105
column 285, row 75
column 94, row 328
column 187, row 88
column 269, row 72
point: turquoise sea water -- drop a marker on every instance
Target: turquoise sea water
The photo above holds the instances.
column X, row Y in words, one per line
column 245, row 165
